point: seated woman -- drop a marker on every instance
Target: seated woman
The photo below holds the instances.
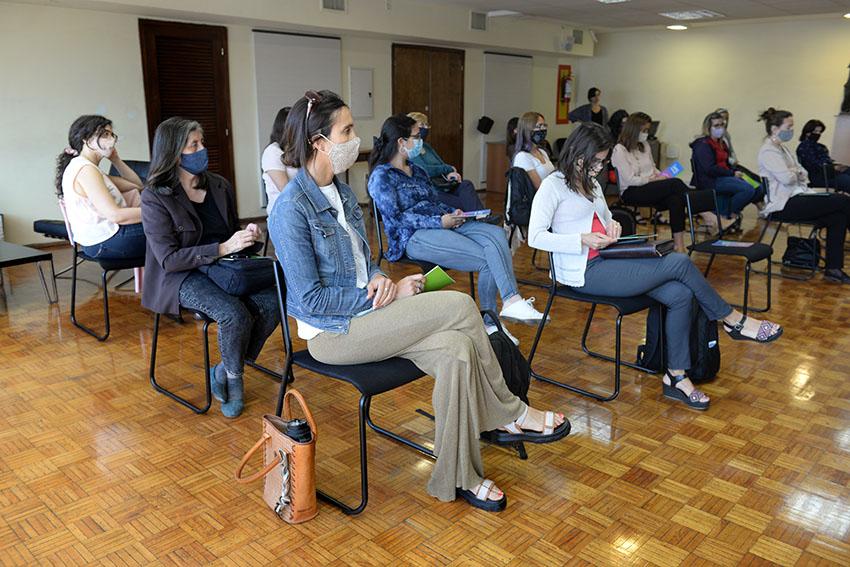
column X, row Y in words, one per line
column 615, row 124
column 570, row 204
column 714, row 171
column 727, row 138
column 275, row 173
column 452, row 189
column 424, row 229
column 349, row 312
column 815, row 158
column 641, row 183
column 103, row 210
column 789, row 197
column 190, row 220
column 528, row 154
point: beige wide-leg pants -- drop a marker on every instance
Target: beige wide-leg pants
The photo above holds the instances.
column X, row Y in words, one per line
column 443, row 334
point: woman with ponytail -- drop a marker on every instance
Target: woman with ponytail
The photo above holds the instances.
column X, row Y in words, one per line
column 103, row 210
column 350, row 312
column 790, row 198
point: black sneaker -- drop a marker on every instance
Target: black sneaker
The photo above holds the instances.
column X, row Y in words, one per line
column 836, row 276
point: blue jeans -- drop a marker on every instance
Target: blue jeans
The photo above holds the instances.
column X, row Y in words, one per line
column 738, row 194
column 128, row 242
column 471, row 247
column 244, row 323
column 673, row 281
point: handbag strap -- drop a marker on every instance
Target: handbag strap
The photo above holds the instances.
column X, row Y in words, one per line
column 287, row 408
column 260, row 474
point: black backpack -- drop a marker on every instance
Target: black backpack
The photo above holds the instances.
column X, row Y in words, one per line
column 514, row 365
column 704, row 344
column 518, row 197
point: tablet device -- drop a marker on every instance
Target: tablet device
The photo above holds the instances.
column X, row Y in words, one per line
column 475, row 214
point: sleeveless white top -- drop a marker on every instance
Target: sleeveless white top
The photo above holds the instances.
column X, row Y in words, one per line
column 88, row 225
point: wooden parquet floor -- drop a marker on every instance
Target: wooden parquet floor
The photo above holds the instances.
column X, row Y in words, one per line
column 98, row 469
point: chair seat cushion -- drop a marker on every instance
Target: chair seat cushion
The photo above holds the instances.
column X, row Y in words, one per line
column 625, row 305
column 51, row 228
column 117, row 264
column 754, row 252
column 370, row 379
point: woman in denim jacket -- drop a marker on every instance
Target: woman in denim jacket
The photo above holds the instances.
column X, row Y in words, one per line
column 422, row 228
column 351, row 313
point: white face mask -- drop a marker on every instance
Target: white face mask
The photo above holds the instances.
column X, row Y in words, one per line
column 342, row 156
column 643, row 136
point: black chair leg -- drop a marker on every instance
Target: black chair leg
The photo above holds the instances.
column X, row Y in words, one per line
column 472, row 284
column 76, row 323
column 266, row 243
column 182, row 401
column 708, row 267
column 364, row 480
column 396, row 437
column 267, row 371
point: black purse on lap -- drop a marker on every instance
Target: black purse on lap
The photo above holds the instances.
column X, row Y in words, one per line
column 240, row 274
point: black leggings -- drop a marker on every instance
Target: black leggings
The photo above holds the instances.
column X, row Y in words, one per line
column 830, row 211
column 664, row 195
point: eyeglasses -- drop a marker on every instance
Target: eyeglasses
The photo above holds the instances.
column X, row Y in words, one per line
column 543, row 126
column 594, row 163
column 107, row 134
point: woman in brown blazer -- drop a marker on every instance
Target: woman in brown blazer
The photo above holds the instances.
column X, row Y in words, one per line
column 189, row 217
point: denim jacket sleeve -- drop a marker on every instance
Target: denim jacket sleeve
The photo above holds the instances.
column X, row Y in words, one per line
column 292, row 234
column 383, row 191
column 431, row 162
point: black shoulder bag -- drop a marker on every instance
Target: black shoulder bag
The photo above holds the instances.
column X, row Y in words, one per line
column 241, row 274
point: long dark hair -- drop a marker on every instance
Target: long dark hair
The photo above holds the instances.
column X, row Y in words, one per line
column 587, row 140
column 385, row 147
column 810, row 127
column 510, row 135
column 629, row 136
column 170, row 138
column 277, row 127
column 82, row 129
column 301, row 129
column 615, row 123
column 525, row 126
column 773, row 117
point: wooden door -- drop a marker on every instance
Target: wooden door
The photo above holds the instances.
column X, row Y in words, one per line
column 186, row 74
column 430, row 80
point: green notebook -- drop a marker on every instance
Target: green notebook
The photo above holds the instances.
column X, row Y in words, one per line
column 755, row 184
column 437, row 279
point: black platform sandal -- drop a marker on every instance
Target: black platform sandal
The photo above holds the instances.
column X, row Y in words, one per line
column 513, row 433
column 763, row 335
column 674, row 393
column 480, row 498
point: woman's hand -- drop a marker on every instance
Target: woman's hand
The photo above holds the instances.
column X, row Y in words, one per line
column 382, row 291
column 411, row 285
column 255, row 230
column 240, row 240
column 614, row 229
column 113, row 157
column 596, row 240
column 452, row 220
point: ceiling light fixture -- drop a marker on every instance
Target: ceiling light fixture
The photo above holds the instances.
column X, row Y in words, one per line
column 847, row 16
column 677, row 27
column 612, row 1
column 691, row 15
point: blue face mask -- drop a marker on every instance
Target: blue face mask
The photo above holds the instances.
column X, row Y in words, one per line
column 785, row 135
column 416, row 149
column 195, row 163
column 423, row 132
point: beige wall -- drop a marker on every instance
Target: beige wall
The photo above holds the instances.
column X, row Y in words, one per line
column 59, row 63
column 679, row 77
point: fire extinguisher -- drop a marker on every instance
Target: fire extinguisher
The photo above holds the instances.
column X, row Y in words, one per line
column 566, row 89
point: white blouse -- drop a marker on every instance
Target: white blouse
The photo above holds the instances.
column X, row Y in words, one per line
column 271, row 161
column 634, row 168
column 528, row 162
column 89, row 227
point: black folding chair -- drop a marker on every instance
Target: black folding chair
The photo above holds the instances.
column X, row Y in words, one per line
column 421, row 264
column 623, row 305
column 706, row 201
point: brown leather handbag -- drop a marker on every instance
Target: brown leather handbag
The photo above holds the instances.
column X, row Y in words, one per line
column 289, row 463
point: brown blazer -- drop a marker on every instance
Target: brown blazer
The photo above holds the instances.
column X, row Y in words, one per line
column 173, row 230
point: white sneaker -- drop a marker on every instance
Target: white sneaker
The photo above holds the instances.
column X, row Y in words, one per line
column 493, row 328
column 522, row 311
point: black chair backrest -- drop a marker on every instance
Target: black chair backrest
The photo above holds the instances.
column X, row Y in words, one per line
column 559, row 145
column 140, row 167
column 280, row 281
column 378, row 219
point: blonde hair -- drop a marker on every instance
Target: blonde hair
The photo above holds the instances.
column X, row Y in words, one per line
column 419, row 117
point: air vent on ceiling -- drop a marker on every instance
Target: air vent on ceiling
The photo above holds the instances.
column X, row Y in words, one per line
column 478, row 21
column 578, row 36
column 333, row 5
column 692, row 15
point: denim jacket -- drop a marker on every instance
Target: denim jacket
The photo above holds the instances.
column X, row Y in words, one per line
column 315, row 252
column 431, row 162
column 407, row 203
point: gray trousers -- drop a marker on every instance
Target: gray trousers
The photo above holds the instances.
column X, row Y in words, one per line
column 673, row 281
column 443, row 334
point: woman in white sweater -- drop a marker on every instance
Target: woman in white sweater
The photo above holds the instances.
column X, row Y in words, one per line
column 789, row 197
column 569, row 217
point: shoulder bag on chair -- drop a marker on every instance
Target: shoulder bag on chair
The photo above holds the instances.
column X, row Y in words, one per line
column 289, row 463
column 241, row 274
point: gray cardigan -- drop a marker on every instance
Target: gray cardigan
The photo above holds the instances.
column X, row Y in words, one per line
column 584, row 113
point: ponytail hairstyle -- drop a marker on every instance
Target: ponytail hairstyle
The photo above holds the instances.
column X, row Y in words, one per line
column 84, row 128
column 630, row 134
column 580, row 149
column 311, row 117
column 773, row 117
column 385, row 146
column 277, row 127
column 170, row 138
column 524, row 128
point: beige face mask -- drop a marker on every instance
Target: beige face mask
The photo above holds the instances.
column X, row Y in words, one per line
column 103, row 148
column 344, row 155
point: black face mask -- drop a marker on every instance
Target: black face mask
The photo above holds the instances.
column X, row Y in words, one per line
column 539, row 136
column 814, row 137
column 423, row 132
